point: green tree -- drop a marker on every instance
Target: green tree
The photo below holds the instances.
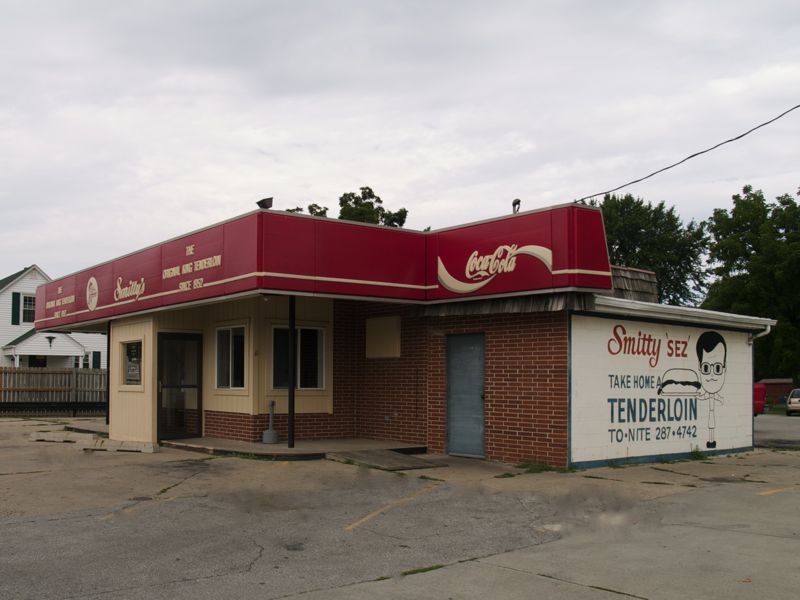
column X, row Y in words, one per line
column 368, row 208
column 755, row 253
column 647, row 236
column 365, row 207
column 315, row 210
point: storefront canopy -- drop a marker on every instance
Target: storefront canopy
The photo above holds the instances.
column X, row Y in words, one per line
column 555, row 249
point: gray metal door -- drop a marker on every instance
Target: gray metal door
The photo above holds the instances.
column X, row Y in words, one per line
column 465, row 422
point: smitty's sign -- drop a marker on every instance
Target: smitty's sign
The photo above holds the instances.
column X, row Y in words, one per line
column 648, row 390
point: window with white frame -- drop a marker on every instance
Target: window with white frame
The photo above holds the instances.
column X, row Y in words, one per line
column 230, row 357
column 28, row 309
column 309, row 347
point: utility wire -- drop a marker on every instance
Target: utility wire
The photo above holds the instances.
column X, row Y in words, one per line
column 691, row 156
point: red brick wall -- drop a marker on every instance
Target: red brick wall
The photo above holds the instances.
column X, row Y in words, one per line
column 526, row 405
column 389, row 394
column 405, row 398
column 249, row 428
column 230, row 425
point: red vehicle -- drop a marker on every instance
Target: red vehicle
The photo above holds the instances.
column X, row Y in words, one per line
column 759, row 398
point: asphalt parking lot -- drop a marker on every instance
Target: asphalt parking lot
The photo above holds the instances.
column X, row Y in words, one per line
column 777, row 431
column 174, row 524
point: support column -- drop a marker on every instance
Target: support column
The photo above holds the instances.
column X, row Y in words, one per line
column 108, row 372
column 292, row 370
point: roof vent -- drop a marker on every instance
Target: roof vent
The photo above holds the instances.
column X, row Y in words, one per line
column 515, row 205
column 265, row 203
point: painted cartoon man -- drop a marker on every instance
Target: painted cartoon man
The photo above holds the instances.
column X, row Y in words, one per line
column 712, row 354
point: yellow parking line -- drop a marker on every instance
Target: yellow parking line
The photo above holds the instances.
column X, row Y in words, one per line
column 399, row 502
column 778, row 490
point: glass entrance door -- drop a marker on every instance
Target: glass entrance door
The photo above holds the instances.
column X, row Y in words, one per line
column 180, row 377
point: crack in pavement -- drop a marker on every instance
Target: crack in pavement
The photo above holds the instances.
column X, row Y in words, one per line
column 729, row 530
column 587, row 585
column 174, row 485
column 229, row 572
column 408, row 538
column 249, row 567
column 129, row 506
column 84, row 514
column 562, row 580
column 148, row 585
column 675, row 472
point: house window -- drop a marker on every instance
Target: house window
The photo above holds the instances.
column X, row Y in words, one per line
column 132, row 362
column 81, row 363
column 37, row 362
column 310, row 353
column 28, row 309
column 230, row 358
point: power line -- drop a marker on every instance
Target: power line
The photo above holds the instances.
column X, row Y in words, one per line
column 691, row 156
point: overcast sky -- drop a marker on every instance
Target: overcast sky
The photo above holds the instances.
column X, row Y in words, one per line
column 126, row 123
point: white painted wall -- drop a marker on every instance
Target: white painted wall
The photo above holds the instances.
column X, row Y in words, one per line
column 603, row 427
column 39, row 345
column 26, row 285
column 62, row 352
column 93, row 342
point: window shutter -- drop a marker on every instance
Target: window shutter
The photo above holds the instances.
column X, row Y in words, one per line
column 15, row 300
column 95, row 360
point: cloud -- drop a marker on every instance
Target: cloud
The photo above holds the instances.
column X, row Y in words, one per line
column 124, row 124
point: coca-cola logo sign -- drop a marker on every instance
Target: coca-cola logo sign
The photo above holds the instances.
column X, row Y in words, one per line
column 481, row 269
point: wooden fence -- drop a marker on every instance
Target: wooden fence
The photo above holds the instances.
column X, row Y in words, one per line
column 38, row 391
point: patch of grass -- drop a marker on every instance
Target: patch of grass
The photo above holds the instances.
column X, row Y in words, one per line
column 600, row 477
column 192, row 460
column 421, row 570
column 533, row 467
column 251, row 456
column 383, row 578
column 506, row 475
column 696, row 454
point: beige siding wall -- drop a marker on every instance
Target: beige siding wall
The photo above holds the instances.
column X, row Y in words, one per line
column 310, row 312
column 132, row 407
column 206, row 320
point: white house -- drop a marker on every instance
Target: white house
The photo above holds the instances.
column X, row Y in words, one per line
column 22, row 346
